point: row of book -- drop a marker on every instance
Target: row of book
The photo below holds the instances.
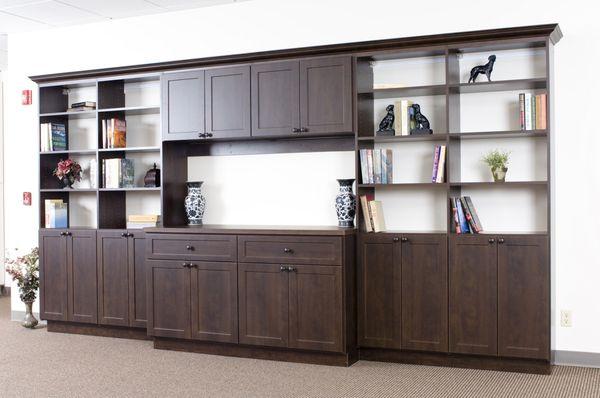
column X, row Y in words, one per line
column 532, row 111
column 464, row 216
column 117, row 173
column 114, row 133
column 53, row 137
column 439, row 164
column 376, row 166
column 372, row 211
column 55, row 213
column 137, row 221
column 82, row 106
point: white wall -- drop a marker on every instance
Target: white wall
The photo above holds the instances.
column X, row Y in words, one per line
column 3, row 67
column 276, row 24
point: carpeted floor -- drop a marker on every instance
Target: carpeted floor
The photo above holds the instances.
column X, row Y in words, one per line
column 35, row 363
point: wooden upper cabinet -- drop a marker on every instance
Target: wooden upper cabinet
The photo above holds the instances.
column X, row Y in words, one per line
column 326, row 95
column 379, row 292
column 82, row 278
column 53, row 275
column 473, row 306
column 113, row 278
column 227, row 93
column 315, row 308
column 182, row 105
column 523, row 297
column 275, row 98
column 424, row 292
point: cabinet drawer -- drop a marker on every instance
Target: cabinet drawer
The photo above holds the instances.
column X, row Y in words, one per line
column 318, row 250
column 191, row 247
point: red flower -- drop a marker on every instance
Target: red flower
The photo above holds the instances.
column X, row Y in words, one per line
column 68, row 168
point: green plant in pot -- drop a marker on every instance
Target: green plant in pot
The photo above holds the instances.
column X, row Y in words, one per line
column 497, row 161
column 25, row 270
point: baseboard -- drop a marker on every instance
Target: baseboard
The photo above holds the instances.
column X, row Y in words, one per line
column 576, row 358
column 98, row 330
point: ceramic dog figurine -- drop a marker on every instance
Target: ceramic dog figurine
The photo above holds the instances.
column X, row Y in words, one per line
column 483, row 69
column 422, row 125
column 386, row 126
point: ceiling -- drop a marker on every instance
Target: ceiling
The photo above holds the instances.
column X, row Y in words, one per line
column 27, row 15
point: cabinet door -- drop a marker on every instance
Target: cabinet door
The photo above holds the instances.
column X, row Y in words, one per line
column 182, row 105
column 82, row 276
column 424, row 293
column 168, row 299
column 523, row 297
column 214, row 302
column 263, row 304
column 53, row 275
column 113, row 278
column 275, row 98
column 326, row 95
column 379, row 287
column 227, row 92
column 137, row 279
column 473, row 306
column 315, row 308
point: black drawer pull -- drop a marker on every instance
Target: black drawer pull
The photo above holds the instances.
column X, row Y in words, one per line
column 288, row 250
column 283, row 268
column 189, row 247
column 501, row 240
column 404, row 239
column 491, row 240
column 396, row 239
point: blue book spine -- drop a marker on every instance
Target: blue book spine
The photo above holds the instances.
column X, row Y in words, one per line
column 464, row 225
column 384, row 167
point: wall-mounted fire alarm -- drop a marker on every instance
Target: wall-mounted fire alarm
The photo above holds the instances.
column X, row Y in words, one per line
column 26, row 97
column 27, row 198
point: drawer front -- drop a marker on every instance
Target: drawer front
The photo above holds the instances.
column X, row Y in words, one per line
column 191, row 247
column 316, row 250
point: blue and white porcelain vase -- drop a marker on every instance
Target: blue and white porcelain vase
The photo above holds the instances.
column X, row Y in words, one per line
column 194, row 203
column 345, row 203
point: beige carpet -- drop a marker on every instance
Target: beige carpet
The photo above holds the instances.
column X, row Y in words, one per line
column 35, row 363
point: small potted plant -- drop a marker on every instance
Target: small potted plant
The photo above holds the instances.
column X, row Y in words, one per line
column 68, row 171
column 25, row 271
column 497, row 161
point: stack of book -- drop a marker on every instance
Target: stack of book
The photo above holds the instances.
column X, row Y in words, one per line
column 403, row 117
column 439, row 164
column 114, row 133
column 82, row 106
column 135, row 221
column 372, row 212
column 117, row 173
column 464, row 216
column 376, row 166
column 532, row 111
column 53, row 137
column 55, row 213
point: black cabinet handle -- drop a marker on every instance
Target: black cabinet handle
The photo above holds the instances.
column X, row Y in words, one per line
column 189, row 247
column 404, row 239
column 201, row 135
column 68, row 233
column 501, row 240
column 184, row 265
column 304, row 130
column 209, row 135
column 491, row 240
column 291, row 269
column 129, row 235
column 63, row 233
column 396, row 239
column 124, row 234
column 283, row 268
column 296, row 130
column 288, row 250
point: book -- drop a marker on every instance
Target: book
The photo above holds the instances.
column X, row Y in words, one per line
column 143, row 218
column 84, row 104
column 439, row 176
column 474, row 213
column 436, row 160
column 472, row 226
column 81, row 108
column 383, row 166
column 118, row 173
column 377, row 216
column 370, row 165
column 404, row 114
column 366, row 212
column 527, row 111
column 522, row 110
column 379, row 86
column 533, row 112
column 455, row 221
column 364, row 170
column 542, row 112
column 55, row 213
column 126, row 175
column 133, row 225
column 398, row 118
column 119, row 133
column 389, row 166
column 58, row 137
column 104, row 136
column 376, row 166
column 464, row 225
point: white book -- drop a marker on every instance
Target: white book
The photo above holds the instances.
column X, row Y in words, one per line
column 441, row 164
column 104, row 142
column 398, row 118
column 528, row 115
column 405, row 123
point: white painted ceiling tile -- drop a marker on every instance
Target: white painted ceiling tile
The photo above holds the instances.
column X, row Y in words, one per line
column 188, row 4
column 13, row 24
column 13, row 3
column 53, row 13
column 116, row 8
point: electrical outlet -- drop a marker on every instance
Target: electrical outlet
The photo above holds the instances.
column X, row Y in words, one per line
column 566, row 319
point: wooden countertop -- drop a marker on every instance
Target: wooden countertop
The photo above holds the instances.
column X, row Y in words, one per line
column 254, row 230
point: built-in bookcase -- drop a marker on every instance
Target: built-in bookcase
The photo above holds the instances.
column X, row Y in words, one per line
column 136, row 99
column 470, row 119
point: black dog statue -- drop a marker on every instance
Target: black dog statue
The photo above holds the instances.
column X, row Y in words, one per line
column 386, row 126
column 483, row 69
column 421, row 122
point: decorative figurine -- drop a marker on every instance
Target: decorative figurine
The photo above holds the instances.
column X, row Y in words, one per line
column 152, row 178
column 386, row 126
column 421, row 122
column 483, row 70
column 345, row 203
column 194, row 203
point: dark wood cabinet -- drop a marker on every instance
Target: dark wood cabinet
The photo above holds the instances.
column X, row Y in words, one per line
column 424, row 292
column 182, row 105
column 205, row 247
column 227, row 93
column 53, row 275
column 121, row 278
column 326, row 95
column 379, row 287
column 473, row 298
column 275, row 98
column 315, row 308
column 169, row 300
column 316, row 250
column 214, row 302
column 523, row 297
column 263, row 304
